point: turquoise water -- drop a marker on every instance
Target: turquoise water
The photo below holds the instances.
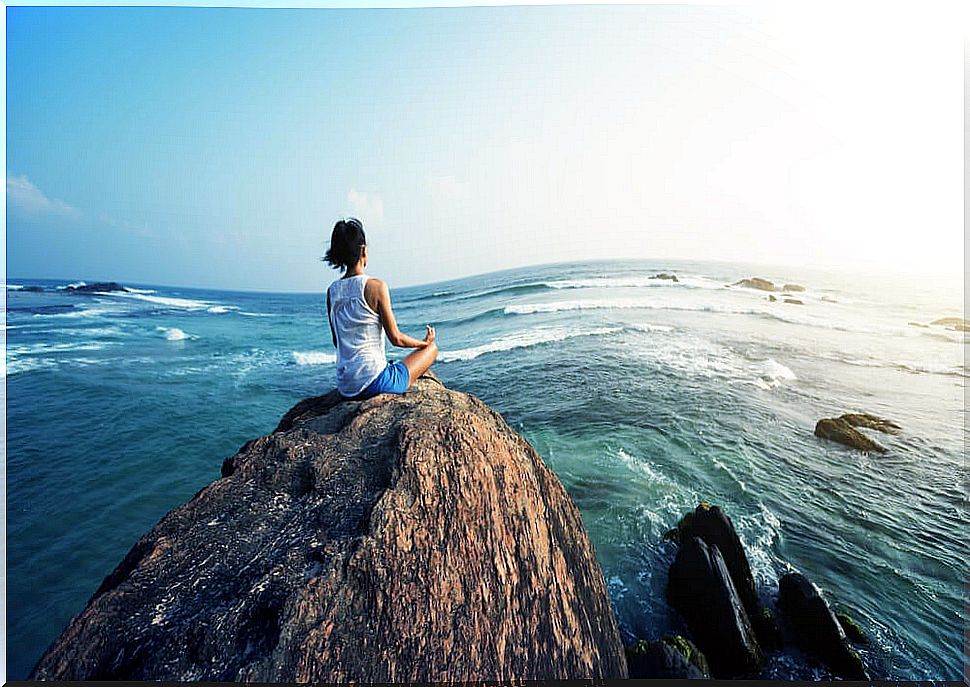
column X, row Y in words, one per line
column 644, row 396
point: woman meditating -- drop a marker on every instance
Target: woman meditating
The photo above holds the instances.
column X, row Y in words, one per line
column 359, row 309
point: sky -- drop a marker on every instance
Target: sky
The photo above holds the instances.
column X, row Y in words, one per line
column 217, row 147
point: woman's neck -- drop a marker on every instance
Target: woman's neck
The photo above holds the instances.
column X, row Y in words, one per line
column 354, row 271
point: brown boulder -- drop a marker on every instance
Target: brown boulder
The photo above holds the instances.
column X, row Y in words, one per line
column 402, row 538
column 843, row 430
column 755, row 283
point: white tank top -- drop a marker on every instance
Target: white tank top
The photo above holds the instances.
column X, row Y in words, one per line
column 360, row 337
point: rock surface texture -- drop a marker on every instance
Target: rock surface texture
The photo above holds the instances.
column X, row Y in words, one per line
column 401, row 538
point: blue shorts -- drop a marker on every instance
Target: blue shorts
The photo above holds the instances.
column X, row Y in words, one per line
column 395, row 379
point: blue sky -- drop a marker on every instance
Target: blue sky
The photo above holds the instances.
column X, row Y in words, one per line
column 216, row 147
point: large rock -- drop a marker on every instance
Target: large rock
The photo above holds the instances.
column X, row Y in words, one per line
column 756, row 283
column 816, row 629
column 712, row 524
column 699, row 587
column 666, row 275
column 843, row 430
column 793, row 287
column 401, row 538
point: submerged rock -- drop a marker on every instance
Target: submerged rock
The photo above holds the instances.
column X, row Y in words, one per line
column 772, row 298
column 755, row 283
column 101, row 286
column 671, row 657
column 33, row 289
column 843, row 430
column 712, row 524
column 666, row 275
column 793, row 287
column 794, row 301
column 700, row 589
column 401, row 538
column 816, row 629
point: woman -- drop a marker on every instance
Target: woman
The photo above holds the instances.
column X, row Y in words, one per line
column 359, row 310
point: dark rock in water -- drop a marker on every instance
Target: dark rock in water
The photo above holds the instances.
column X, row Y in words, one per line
column 665, row 275
column 756, row 283
column 772, row 298
column 401, row 538
column 700, row 589
column 672, row 658
column 816, row 629
column 794, row 301
column 793, row 288
column 853, row 631
column 101, row 286
column 957, row 323
column 712, row 524
column 843, row 430
column 33, row 289
column 872, row 422
column 919, row 324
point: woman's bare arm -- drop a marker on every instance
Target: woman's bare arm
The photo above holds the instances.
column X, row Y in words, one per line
column 378, row 296
column 333, row 334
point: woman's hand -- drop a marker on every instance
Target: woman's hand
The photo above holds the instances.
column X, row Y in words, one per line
column 430, row 336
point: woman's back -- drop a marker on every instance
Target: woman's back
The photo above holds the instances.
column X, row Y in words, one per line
column 360, row 337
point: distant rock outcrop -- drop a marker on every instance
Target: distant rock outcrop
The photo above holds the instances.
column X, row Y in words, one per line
column 817, row 631
column 794, row 301
column 666, row 275
column 843, row 430
column 97, row 287
column 957, row 323
column 793, row 287
column 401, row 538
column 755, row 283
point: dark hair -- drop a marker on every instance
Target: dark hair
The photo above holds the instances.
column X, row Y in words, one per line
column 346, row 243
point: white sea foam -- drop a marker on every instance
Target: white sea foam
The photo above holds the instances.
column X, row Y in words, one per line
column 642, row 327
column 174, row 334
column 14, row 287
column 255, row 314
column 186, row 303
column 79, row 312
column 523, row 339
column 48, row 348
column 75, row 285
column 314, row 358
column 133, row 290
column 220, row 309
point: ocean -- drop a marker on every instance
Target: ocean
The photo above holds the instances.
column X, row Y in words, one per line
column 644, row 395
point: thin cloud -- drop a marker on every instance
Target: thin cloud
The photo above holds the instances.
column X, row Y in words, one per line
column 27, row 199
column 448, row 189
column 367, row 207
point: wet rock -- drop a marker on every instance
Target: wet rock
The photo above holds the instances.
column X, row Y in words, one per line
column 672, row 657
column 772, row 298
column 794, row 301
column 712, row 524
column 33, row 289
column 853, row 631
column 401, row 538
column 755, row 283
column 843, row 430
column 816, row 629
column 699, row 587
column 794, row 288
column 666, row 275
